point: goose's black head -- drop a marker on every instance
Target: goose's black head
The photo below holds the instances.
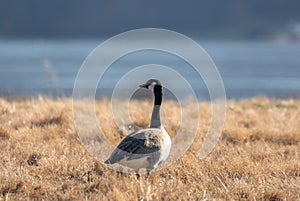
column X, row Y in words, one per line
column 150, row 84
column 155, row 86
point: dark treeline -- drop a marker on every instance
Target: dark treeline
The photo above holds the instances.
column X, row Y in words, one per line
column 91, row 18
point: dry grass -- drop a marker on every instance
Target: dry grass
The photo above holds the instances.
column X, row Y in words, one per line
column 257, row 157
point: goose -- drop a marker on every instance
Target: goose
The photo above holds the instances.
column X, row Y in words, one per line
column 145, row 148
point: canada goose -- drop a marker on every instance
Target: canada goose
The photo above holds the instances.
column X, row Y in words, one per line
column 146, row 148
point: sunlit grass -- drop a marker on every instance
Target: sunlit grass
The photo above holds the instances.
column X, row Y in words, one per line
column 257, row 157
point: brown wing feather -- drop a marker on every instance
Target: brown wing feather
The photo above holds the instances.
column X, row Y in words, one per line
column 137, row 145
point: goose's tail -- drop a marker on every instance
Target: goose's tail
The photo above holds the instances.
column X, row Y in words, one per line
column 107, row 161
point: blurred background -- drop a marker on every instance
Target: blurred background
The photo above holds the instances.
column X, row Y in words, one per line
column 254, row 44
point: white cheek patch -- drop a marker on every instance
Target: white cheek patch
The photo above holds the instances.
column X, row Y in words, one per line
column 151, row 87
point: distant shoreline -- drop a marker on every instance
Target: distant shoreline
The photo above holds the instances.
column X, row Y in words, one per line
column 141, row 97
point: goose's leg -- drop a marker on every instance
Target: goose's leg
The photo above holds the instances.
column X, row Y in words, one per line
column 148, row 193
column 148, row 173
column 137, row 173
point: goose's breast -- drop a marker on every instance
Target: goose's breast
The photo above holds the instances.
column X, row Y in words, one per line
column 166, row 146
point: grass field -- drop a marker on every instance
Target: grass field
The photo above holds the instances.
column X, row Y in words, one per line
column 257, row 157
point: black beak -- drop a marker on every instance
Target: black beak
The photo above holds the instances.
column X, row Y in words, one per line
column 144, row 85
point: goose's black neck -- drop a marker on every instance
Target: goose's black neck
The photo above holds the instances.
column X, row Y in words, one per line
column 157, row 95
column 155, row 118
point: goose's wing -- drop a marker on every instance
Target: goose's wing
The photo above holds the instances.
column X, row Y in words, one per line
column 135, row 146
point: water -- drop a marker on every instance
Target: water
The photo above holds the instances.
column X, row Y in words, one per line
column 248, row 68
